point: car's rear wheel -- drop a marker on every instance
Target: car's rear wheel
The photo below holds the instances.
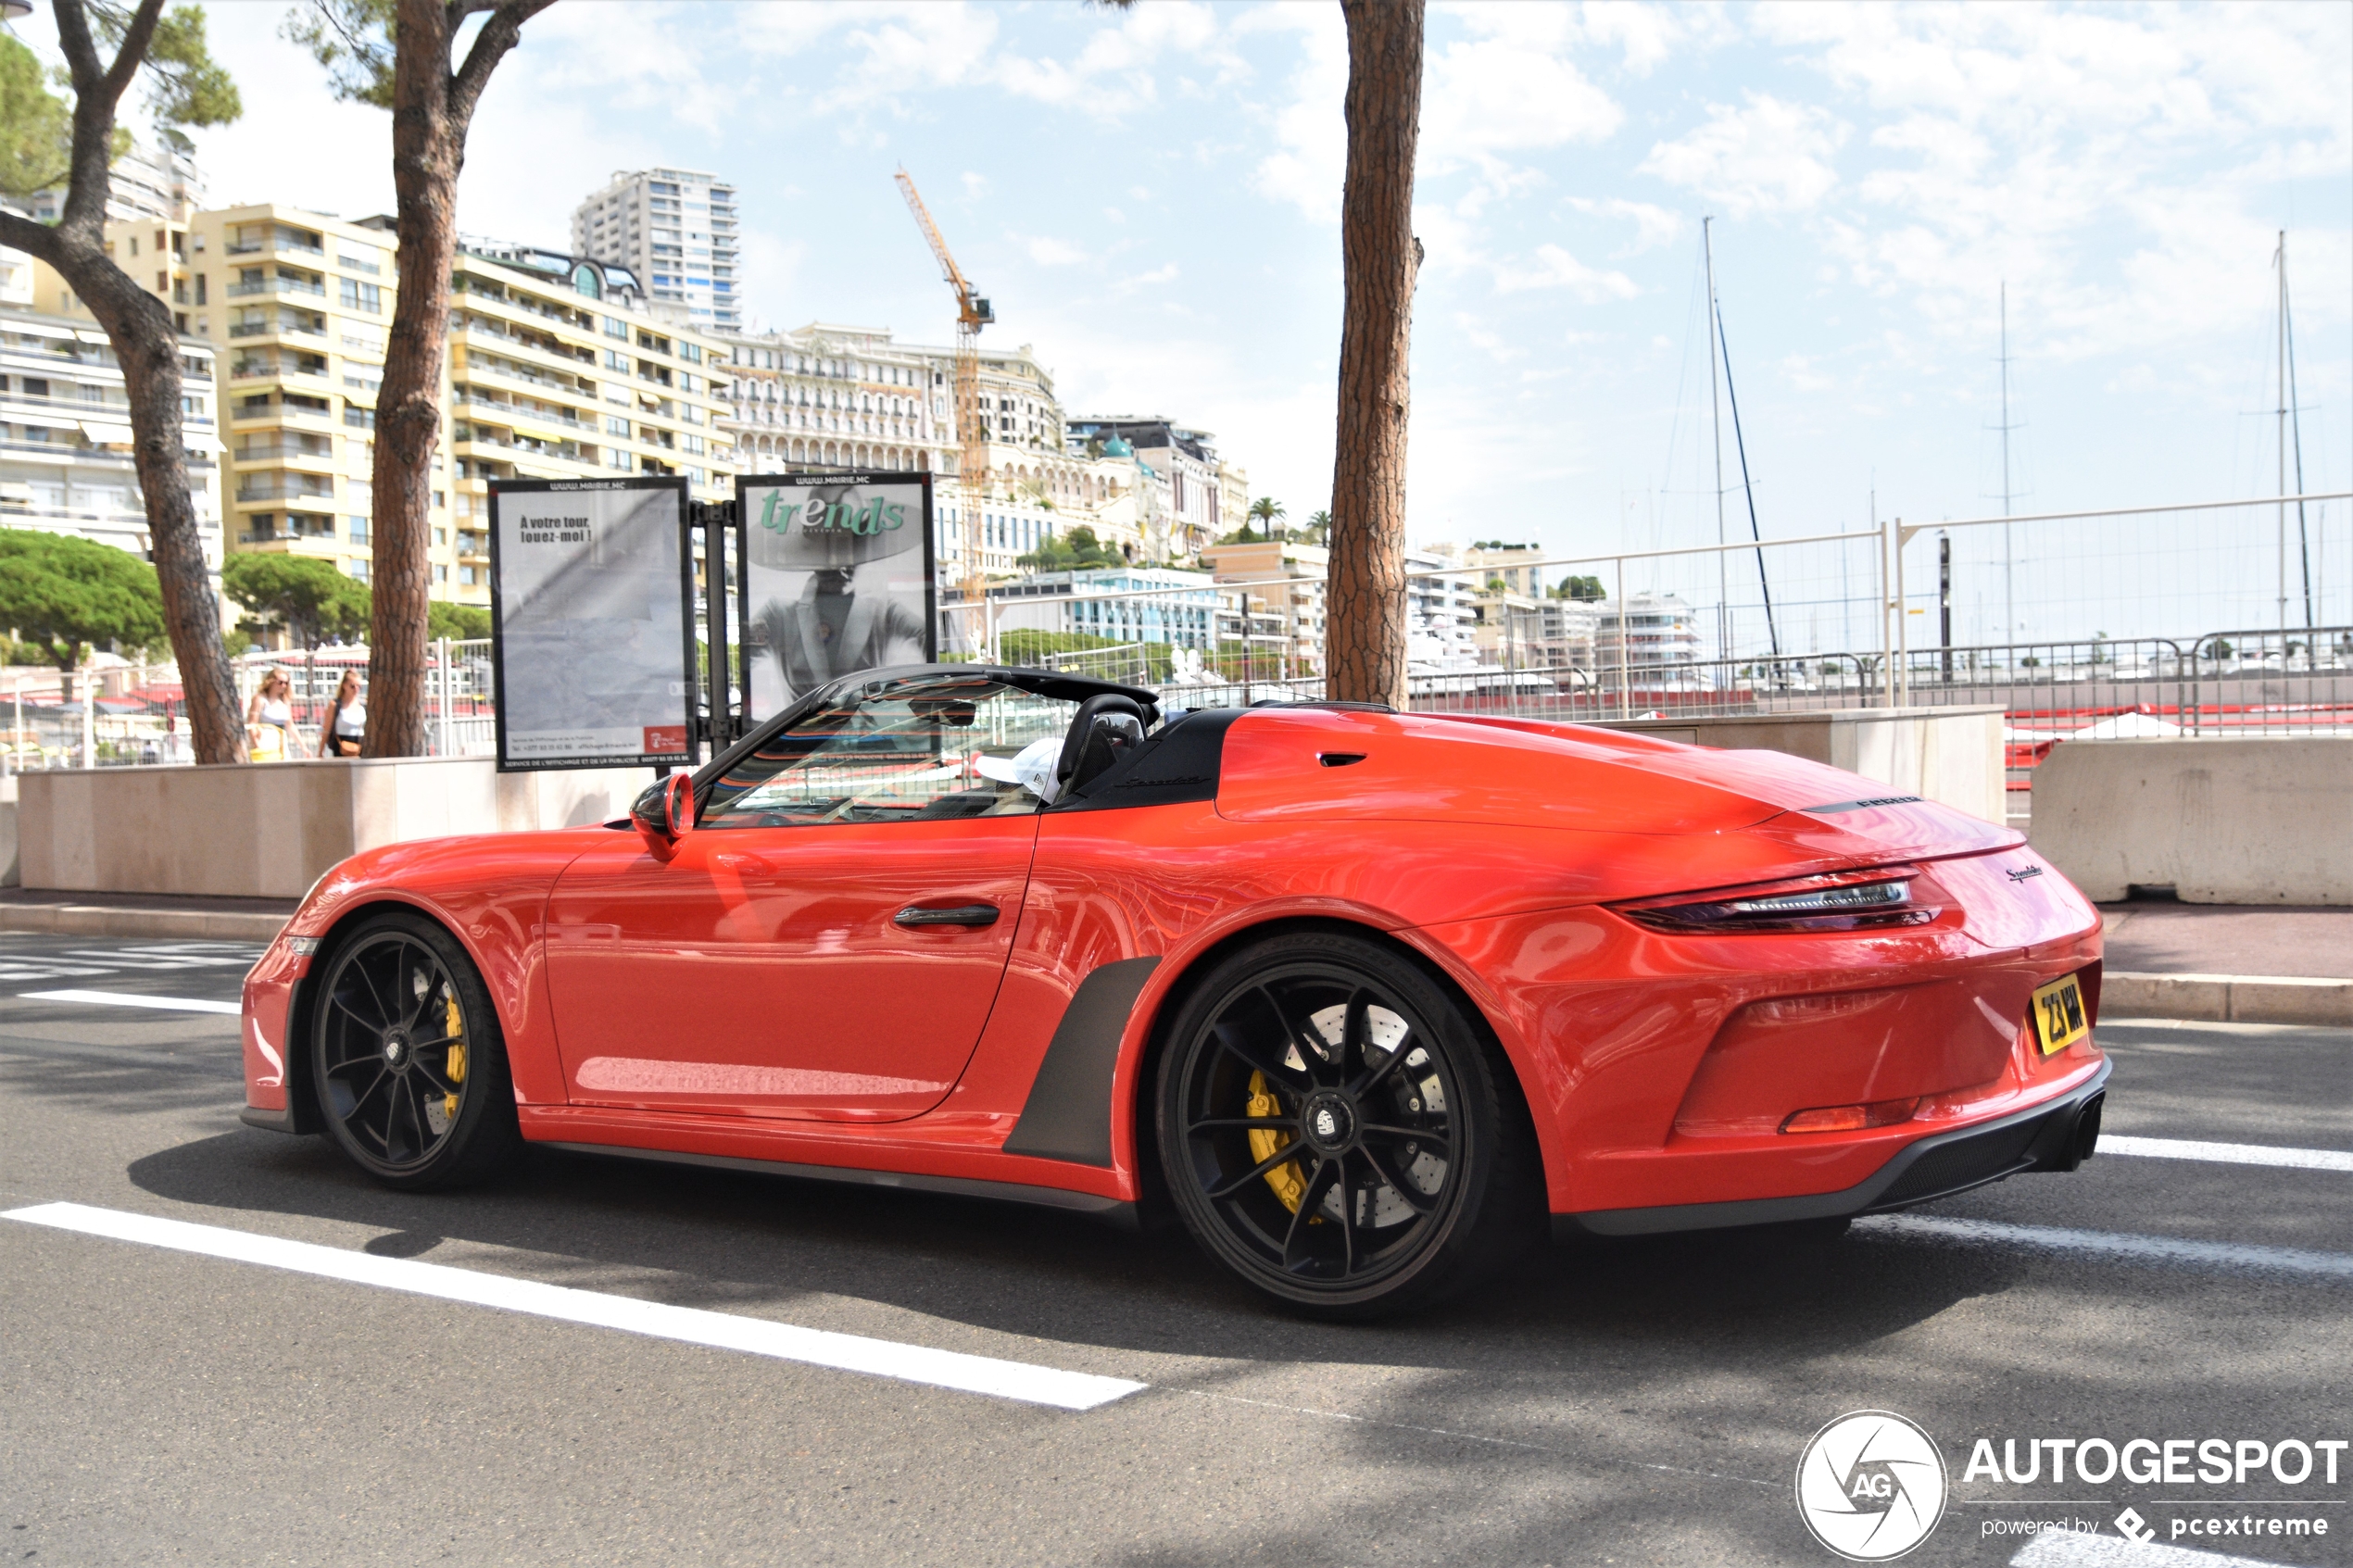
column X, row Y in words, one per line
column 407, row 1058
column 1337, row 1131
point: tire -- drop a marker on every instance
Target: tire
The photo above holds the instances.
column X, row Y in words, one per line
column 387, row 1065
column 1413, row 1171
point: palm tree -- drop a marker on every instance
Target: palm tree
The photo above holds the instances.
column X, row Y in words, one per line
column 1266, row 509
column 1319, row 528
column 1365, row 628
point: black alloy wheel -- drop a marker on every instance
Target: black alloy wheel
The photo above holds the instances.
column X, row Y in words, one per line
column 407, row 1059
column 1335, row 1130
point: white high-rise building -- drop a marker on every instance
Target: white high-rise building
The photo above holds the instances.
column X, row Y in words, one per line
column 676, row 230
column 148, row 181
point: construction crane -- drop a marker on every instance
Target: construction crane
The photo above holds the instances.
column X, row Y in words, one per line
column 971, row 422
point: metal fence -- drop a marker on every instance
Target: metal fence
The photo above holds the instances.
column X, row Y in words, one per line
column 460, row 719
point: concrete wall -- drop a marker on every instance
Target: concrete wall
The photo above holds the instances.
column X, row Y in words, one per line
column 268, row 829
column 2266, row 820
column 1949, row 755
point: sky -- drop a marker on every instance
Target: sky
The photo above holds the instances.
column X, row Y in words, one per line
column 1151, row 199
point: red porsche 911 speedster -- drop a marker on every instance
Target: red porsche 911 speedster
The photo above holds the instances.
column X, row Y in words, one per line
column 1359, row 996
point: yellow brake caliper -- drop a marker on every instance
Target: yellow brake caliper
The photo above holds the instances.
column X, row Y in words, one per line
column 457, row 1066
column 1288, row 1185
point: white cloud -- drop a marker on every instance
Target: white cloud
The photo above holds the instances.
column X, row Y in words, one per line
column 1167, row 273
column 1494, row 95
column 1046, row 251
column 1764, row 155
column 1556, row 269
column 1310, row 156
column 2105, row 163
column 1123, row 65
column 1653, row 225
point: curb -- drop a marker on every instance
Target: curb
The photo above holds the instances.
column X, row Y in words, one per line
column 98, row 919
column 2228, row 998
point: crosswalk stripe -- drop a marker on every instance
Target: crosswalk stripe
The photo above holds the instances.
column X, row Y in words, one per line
column 691, row 1326
column 2075, row 1548
column 2228, row 1153
column 2224, row 1256
column 133, row 1000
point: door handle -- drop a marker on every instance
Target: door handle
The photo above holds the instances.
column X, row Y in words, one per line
column 961, row 914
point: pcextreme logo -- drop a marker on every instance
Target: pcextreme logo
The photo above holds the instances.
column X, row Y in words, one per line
column 1871, row 1486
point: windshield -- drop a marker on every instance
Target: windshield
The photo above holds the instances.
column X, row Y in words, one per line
column 900, row 750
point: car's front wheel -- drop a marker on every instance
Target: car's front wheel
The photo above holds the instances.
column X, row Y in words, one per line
column 1337, row 1131
column 407, row 1058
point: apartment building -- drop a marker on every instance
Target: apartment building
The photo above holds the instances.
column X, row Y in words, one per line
column 1140, row 605
column 558, row 368
column 65, row 463
column 835, row 396
column 678, row 231
column 1442, row 611
column 1289, row 578
column 295, row 304
column 1650, row 633
column 1184, row 465
column 148, row 181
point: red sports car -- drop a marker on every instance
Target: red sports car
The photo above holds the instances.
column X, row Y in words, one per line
column 1359, row 996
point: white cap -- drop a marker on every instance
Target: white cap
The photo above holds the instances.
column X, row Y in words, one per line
column 1032, row 768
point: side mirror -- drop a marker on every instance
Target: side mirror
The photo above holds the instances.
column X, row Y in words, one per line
column 665, row 813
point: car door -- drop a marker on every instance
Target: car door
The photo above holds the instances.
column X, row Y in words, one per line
column 828, row 940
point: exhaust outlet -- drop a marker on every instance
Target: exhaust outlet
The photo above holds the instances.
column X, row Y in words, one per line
column 2082, row 1137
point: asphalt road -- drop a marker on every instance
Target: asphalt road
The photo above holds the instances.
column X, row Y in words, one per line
column 1618, row 1404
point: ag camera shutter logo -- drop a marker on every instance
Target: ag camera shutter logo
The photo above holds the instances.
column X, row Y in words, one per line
column 1871, row 1486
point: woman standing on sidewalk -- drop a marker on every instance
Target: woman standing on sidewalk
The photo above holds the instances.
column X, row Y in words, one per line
column 347, row 723
column 269, row 720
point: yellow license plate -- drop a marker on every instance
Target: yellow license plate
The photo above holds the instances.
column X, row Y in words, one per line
column 2059, row 1015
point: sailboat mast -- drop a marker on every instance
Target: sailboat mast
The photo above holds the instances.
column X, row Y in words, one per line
column 2279, row 258
column 2295, row 432
column 2010, row 557
column 1723, row 570
column 1748, row 490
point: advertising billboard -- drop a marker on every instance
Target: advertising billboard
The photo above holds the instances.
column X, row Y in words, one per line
column 837, row 576
column 592, row 623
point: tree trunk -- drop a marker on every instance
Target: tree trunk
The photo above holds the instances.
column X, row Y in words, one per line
column 427, row 153
column 1364, row 614
column 432, row 110
column 139, row 327
column 149, row 349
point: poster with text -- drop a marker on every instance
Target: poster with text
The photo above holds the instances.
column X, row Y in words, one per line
column 592, row 623
column 838, row 577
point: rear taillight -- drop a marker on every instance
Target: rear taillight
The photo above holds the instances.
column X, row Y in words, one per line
column 1842, row 901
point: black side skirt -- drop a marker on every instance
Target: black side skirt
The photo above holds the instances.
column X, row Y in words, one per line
column 1114, row 1210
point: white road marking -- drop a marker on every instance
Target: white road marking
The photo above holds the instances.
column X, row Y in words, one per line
column 2071, row 1548
column 2228, row 1153
column 2232, row 1257
column 691, row 1326
column 131, row 999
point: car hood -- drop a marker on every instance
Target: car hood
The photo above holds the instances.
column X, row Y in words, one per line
column 1289, row 765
